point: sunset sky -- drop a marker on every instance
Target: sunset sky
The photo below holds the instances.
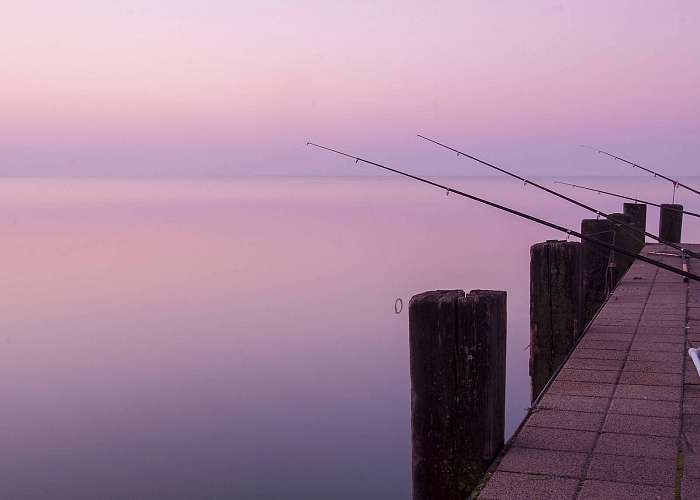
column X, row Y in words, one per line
column 225, row 88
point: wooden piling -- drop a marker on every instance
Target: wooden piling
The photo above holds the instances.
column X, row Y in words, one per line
column 458, row 370
column 595, row 270
column 638, row 214
column 627, row 239
column 671, row 222
column 555, row 307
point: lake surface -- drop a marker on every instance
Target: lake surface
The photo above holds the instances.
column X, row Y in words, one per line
column 236, row 339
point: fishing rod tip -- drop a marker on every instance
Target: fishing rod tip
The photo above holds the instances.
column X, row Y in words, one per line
column 592, row 149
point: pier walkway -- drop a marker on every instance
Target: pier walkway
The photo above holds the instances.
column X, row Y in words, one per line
column 622, row 418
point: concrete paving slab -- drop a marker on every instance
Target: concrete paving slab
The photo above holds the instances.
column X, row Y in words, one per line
column 656, row 346
column 510, row 485
column 637, row 470
column 607, row 345
column 637, row 446
column 607, row 490
column 691, row 423
column 575, row 420
column 584, row 353
column 648, row 392
column 674, row 366
column 555, row 439
column 574, row 403
column 595, row 364
column 599, row 376
column 638, row 424
column 531, row 461
column 660, row 357
column 581, row 389
column 691, row 406
column 690, row 489
column 644, row 407
column 642, row 378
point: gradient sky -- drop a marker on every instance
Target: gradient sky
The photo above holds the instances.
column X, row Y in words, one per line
column 184, row 87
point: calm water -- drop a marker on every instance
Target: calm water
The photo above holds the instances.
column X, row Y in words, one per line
column 236, row 339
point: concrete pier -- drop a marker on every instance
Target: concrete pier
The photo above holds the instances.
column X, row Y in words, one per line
column 622, row 418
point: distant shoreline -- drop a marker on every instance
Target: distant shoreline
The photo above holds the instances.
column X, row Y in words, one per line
column 338, row 177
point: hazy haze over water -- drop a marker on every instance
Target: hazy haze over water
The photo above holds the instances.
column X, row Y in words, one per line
column 236, row 338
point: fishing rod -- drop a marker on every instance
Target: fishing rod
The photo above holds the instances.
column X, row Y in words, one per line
column 523, row 215
column 564, row 197
column 636, row 200
column 676, row 183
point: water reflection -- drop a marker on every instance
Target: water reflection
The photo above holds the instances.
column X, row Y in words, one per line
column 236, row 338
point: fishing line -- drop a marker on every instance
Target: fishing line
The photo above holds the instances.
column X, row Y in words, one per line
column 636, row 200
column 518, row 213
column 675, row 182
column 564, row 197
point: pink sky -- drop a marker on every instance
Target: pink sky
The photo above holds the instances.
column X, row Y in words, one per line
column 222, row 87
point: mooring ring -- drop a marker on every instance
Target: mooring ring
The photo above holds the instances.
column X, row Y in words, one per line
column 398, row 306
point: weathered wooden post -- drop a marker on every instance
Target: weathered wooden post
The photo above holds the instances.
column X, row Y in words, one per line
column 597, row 281
column 627, row 239
column 638, row 214
column 671, row 222
column 458, row 374
column 555, row 307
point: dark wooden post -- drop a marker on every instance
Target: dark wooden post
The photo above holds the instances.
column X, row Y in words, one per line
column 627, row 239
column 596, row 278
column 555, row 307
column 458, row 372
column 671, row 222
column 638, row 213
